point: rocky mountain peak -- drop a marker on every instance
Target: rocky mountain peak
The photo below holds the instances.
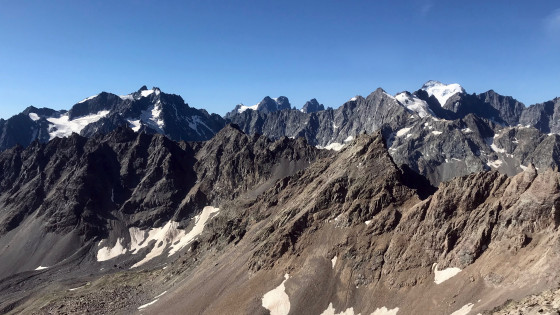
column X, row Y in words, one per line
column 441, row 91
column 312, row 106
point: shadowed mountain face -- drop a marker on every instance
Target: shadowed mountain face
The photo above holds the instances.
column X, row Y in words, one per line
column 149, row 110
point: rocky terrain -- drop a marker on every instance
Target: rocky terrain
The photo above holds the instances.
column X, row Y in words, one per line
column 418, row 203
column 325, row 231
column 150, row 110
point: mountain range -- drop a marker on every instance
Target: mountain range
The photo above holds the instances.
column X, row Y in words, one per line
column 430, row 202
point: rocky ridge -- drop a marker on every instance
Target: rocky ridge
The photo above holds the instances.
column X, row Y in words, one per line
column 342, row 226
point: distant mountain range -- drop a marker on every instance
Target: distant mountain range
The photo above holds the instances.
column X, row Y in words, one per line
column 435, row 202
column 439, row 131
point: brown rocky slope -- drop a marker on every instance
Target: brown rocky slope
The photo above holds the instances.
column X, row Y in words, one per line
column 350, row 233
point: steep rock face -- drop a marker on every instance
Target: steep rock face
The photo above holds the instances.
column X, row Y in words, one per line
column 509, row 108
column 343, row 228
column 329, row 126
column 148, row 110
column 267, row 105
column 80, row 190
column 312, row 106
column 543, row 116
column 347, row 228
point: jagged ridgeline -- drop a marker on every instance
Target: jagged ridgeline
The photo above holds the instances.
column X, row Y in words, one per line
column 431, row 202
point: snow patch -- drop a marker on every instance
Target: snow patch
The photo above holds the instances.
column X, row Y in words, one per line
column 135, row 124
column 152, row 116
column 126, row 97
column 167, row 237
column 195, row 122
column 385, row 311
column 106, row 253
column 41, row 268
column 74, row 289
column 368, row 222
column 389, row 95
column 147, row 304
column 414, row 104
column 463, row 310
column 332, row 146
column 276, row 300
column 63, row 127
column 350, row 138
column 523, row 167
column 333, row 261
column 87, row 99
column 243, row 108
column 442, row 92
column 494, row 164
column 437, row 133
column 445, row 274
column 466, row 130
column 496, row 149
column 34, row 116
column 355, row 98
column 146, row 93
column 403, row 131
column 331, row 311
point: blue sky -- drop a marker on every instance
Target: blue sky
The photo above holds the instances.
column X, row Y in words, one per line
column 219, row 53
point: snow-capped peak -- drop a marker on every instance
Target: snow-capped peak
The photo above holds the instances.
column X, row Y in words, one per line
column 243, row 108
column 413, row 103
column 146, row 93
column 441, row 91
column 87, row 99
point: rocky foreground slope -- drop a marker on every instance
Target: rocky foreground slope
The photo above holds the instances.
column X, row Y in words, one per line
column 245, row 225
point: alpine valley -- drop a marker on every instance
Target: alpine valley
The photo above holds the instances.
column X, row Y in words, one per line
column 428, row 202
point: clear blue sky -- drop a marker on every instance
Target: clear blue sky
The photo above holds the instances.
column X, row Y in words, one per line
column 219, row 53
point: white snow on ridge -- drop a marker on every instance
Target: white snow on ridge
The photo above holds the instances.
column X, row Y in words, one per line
column 41, row 268
column 146, row 93
column 63, row 127
column 87, row 99
column 244, row 108
column 126, row 97
column 442, row 92
column 276, row 300
column 445, row 274
column 414, row 104
column 134, row 124
column 350, row 138
column 34, row 116
column 152, row 116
